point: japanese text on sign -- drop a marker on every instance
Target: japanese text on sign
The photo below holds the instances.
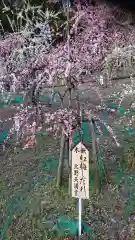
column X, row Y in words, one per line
column 80, row 172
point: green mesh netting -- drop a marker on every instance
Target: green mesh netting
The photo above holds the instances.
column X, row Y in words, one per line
column 11, row 100
column 17, row 100
column 66, row 226
column 42, row 133
column 3, row 136
column 69, row 227
column 2, row 104
column 44, row 99
column 85, row 136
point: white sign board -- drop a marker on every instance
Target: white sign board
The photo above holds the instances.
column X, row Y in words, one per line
column 80, row 172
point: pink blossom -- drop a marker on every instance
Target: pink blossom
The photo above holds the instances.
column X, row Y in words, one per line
column 7, row 46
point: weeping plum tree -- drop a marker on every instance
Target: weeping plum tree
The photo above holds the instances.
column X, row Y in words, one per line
column 30, row 65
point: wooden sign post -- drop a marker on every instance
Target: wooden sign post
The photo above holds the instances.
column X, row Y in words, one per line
column 80, row 176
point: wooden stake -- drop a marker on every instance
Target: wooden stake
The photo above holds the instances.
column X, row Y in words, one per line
column 94, row 152
column 61, row 159
column 70, row 159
